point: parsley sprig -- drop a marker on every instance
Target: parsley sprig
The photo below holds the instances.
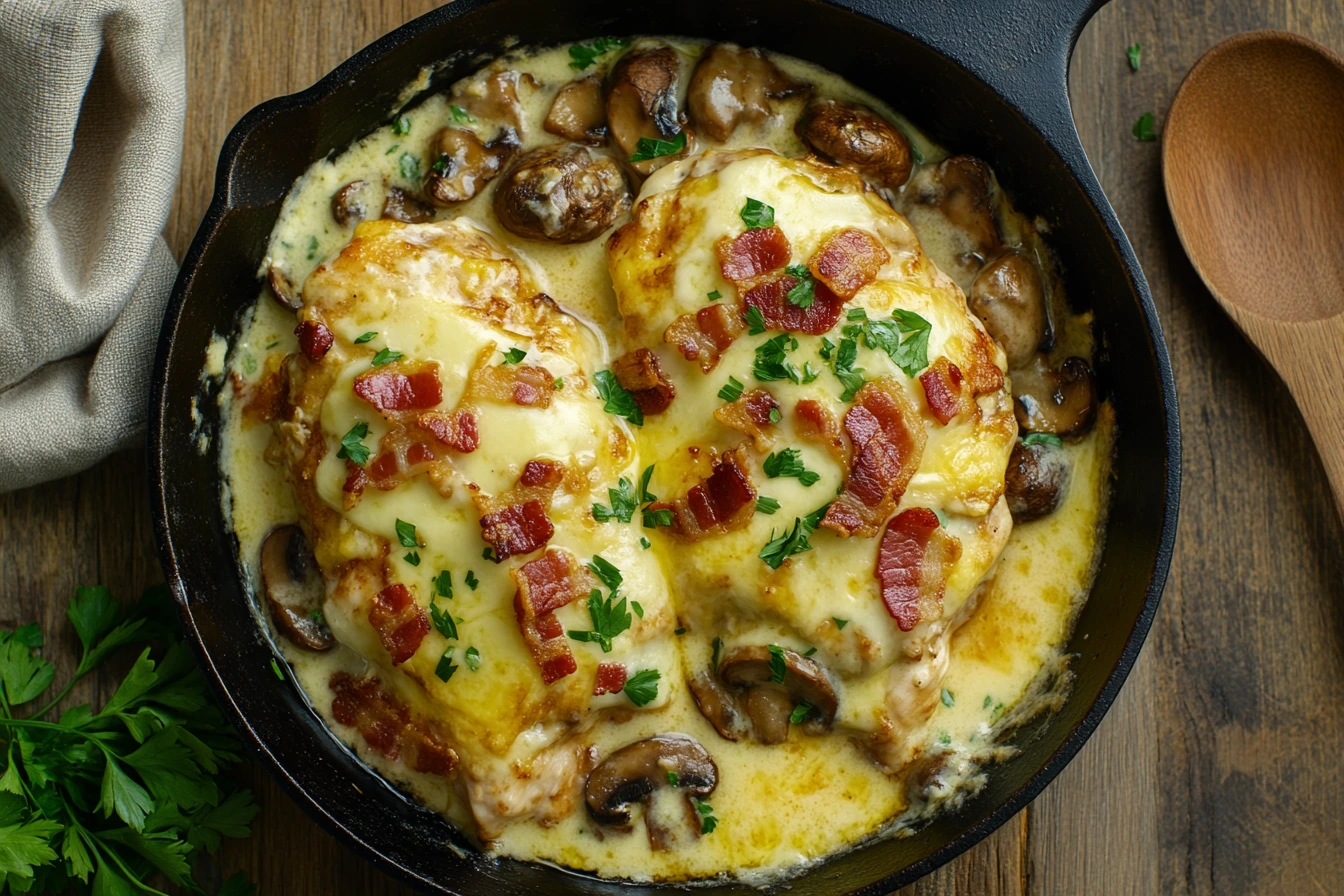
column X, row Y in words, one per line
column 618, row 400
column 642, row 687
column 789, row 462
column 112, row 798
column 610, row 618
column 581, row 56
column 352, row 445
column 792, row 541
column 904, row 337
column 654, row 148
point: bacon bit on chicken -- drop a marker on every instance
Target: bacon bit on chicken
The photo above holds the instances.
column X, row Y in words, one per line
column 315, row 339
column 456, row 429
column 515, row 522
column 418, row 389
column 912, row 563
column 752, row 253
column 610, row 679
column 816, row 423
column 528, row 385
column 400, row 622
column 888, row 438
column 771, row 299
column 848, row 261
column 355, row 482
column 944, row 390
column 640, row 374
column 750, row 415
column 401, row 456
column 388, row 726
column 705, row 335
column 553, row 580
column 721, row 503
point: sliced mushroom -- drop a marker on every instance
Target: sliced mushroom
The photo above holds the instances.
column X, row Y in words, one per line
column 857, row 137
column 642, row 102
column 1063, row 401
column 350, row 204
column 769, row 702
column 407, row 207
column 493, row 97
column 294, row 588
column 731, row 85
column 962, row 189
column 562, row 193
column 1036, row 480
column 463, row 165
column 284, row 290
column 634, row 773
column 1008, row 298
column 718, row 705
column 578, row 113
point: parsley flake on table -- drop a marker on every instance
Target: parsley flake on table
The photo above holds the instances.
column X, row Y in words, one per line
column 792, row 541
column 581, row 56
column 732, row 390
column 642, row 688
column 618, row 401
column 756, row 214
column 352, row 445
column 365, row 337
column 385, row 356
column 1144, row 130
column 609, row 618
column 406, row 534
column 803, row 292
column 1135, row 53
column 514, row 355
column 654, row 148
column 789, row 463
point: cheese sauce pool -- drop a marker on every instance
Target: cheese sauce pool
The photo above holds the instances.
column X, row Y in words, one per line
column 779, row 808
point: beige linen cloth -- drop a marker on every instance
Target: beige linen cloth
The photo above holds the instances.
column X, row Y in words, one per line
column 92, row 98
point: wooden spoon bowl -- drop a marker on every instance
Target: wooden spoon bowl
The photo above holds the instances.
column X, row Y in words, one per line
column 1253, row 166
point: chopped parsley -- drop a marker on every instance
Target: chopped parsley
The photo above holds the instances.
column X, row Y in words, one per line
column 406, row 534
column 714, row 296
column 275, row 667
column 583, row 55
column 409, row 166
column 842, row 365
column 365, row 337
column 446, row 667
column 1135, row 53
column 443, row 584
column 707, row 820
column 655, row 518
column 472, row 581
column 384, row 356
column 639, row 611
column 948, row 700
column 800, row 712
column 809, row 651
column 642, row 688
column 1143, row 128
column 803, row 292
column 609, row 617
column 318, row 616
column 460, row 115
column 655, row 148
column 1035, row 438
column 839, row 623
column 514, row 355
column 393, row 148
column 679, row 631
column 609, row 574
column 718, row 651
column 779, row 668
column 827, row 347
column 766, row 505
column 618, row 400
column 904, row 337
column 944, row 738
column 488, row 554
column 352, row 445
column 673, row 778
column 622, row 506
column 789, row 462
column 732, row 390
column 756, row 214
column 312, row 248
column 645, row 543
column 558, row 384
column 772, row 360
column 473, row 659
column 443, row 620
column 401, row 126
column 792, row 541
column 412, row 557
column 755, row 321
column 775, row 415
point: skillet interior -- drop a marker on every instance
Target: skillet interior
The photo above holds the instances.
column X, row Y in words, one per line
column 276, row 142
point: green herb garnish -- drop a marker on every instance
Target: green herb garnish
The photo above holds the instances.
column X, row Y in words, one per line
column 766, row 505
column 655, row 148
column 789, row 462
column 800, row 712
column 409, row 165
column 443, row 584
column 707, row 820
column 365, row 337
column 1135, row 54
column 803, row 292
column 471, row 580
column 384, row 356
column 473, row 659
column 460, row 115
column 352, row 445
column 401, row 126
column 609, row 574
column 406, row 534
column 772, row 361
column 756, row 214
column 642, row 688
column 714, row 296
column 1144, row 128
column 842, row 365
column 609, row 620
column 514, row 355
column 618, row 400
column 948, row 700
column 732, row 390
column 792, row 541
column 446, row 667
column 779, row 667
column 623, row 503
column 1042, row 438
column 839, row 623
column 905, row 338
column 755, row 321
column 583, row 55
column 413, row 558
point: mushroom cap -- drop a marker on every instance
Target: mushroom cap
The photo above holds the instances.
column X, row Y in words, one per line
column 578, row 112
column 642, row 102
column 407, row 207
column 462, row 165
column 768, row 702
column 632, row 773
column 293, row 587
column 1036, row 480
column 562, row 193
column 857, row 137
column 731, row 85
column 349, row 204
column 283, row 288
column 1009, row 299
column 962, row 189
column 1062, row 402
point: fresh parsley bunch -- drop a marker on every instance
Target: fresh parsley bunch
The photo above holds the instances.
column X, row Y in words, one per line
column 104, row 801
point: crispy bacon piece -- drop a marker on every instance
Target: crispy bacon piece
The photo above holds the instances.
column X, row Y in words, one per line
column 705, row 335
column 817, row 423
column 888, row 437
column 720, row 503
column 515, row 522
column 610, row 679
column 418, row 389
column 944, row 390
column 640, row 374
column 770, row 298
column 355, row 482
column 315, row 339
column 848, row 261
column 750, row 415
column 401, row 456
column 388, row 726
column 912, row 563
column 553, row 580
column 528, row 385
column 400, row 622
column 456, row 429
column 752, row 253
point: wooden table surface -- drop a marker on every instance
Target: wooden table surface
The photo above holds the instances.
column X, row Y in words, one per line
column 1218, row 771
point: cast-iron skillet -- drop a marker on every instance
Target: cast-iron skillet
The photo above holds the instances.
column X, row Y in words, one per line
column 981, row 76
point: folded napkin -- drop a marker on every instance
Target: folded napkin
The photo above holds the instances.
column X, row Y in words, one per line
column 92, row 98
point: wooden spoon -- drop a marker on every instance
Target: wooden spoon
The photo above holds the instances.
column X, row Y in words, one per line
column 1253, row 164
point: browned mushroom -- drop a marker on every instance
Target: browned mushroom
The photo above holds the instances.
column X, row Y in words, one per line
column 770, row 683
column 1037, row 478
column 857, row 137
column 294, row 588
column 962, row 189
column 284, row 290
column 562, row 193
column 578, row 113
column 636, row 772
column 463, row 165
column 642, row 102
column 493, row 97
column 731, row 85
column 403, row 206
column 1062, row 402
column 1008, row 298
column 350, row 204
column 718, row 705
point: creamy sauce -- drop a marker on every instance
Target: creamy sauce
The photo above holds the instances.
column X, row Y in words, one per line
column 779, row 808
